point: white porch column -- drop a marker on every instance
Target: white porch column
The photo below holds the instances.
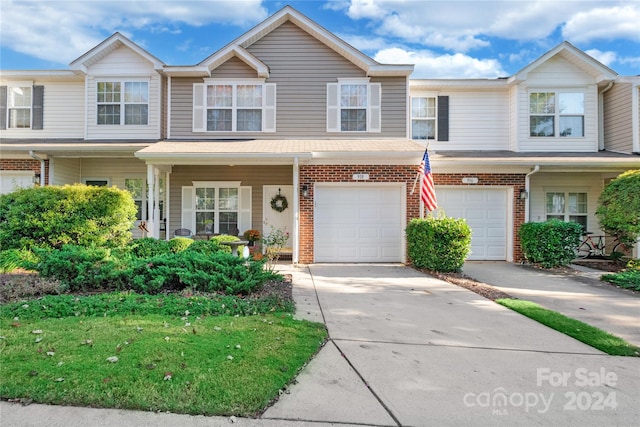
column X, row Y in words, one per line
column 156, row 203
column 151, row 176
column 295, row 256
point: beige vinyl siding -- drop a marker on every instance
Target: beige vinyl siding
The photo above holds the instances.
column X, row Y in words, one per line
column 301, row 67
column 618, row 130
column 477, row 120
column 65, row 171
column 123, row 65
column 559, row 75
column 254, row 176
column 590, row 183
column 234, row 68
column 63, row 112
column 115, row 170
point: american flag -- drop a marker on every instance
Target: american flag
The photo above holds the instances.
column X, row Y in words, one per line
column 427, row 190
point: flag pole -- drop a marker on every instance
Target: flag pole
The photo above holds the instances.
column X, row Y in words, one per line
column 415, row 181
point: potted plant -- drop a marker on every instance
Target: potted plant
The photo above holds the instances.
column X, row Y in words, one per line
column 252, row 236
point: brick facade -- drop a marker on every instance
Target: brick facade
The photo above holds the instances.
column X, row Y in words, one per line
column 25, row 165
column 309, row 175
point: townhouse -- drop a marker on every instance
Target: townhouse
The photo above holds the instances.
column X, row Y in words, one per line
column 290, row 127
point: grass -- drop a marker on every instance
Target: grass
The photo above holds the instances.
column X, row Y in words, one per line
column 223, row 365
column 590, row 335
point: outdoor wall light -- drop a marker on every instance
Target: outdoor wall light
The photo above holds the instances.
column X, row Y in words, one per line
column 524, row 194
column 305, row 191
column 36, row 179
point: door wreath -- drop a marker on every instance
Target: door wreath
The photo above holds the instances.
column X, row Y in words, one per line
column 279, row 202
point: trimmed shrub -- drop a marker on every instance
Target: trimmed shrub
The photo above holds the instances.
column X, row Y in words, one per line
column 440, row 244
column 148, row 247
column 552, row 243
column 207, row 247
column 226, row 238
column 80, row 268
column 50, row 217
column 12, row 259
column 179, row 244
column 218, row 272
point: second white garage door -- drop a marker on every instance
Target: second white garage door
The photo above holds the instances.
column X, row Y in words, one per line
column 359, row 223
column 486, row 213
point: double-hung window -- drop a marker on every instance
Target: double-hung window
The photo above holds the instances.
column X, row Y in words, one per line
column 19, row 106
column 553, row 114
column 216, row 210
column 423, row 117
column 567, row 206
column 234, row 106
column 122, row 102
column 353, row 105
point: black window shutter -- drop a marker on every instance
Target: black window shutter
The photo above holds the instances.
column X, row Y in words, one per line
column 37, row 119
column 443, row 118
column 3, row 107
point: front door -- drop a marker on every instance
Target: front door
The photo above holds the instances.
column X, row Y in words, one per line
column 272, row 217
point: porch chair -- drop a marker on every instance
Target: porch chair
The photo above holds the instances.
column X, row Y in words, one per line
column 183, row 232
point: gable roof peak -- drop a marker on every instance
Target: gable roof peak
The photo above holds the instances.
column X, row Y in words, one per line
column 113, row 42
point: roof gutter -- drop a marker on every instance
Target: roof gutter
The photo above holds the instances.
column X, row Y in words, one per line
column 42, row 167
column 527, row 187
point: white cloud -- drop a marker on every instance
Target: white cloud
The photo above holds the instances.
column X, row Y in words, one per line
column 607, row 58
column 60, row 31
column 364, row 43
column 604, row 24
column 430, row 65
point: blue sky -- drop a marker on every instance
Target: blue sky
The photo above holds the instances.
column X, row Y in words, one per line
column 444, row 39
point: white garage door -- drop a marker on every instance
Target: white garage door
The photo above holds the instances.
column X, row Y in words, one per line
column 358, row 223
column 486, row 213
column 13, row 180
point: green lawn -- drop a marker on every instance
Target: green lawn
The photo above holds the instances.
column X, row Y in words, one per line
column 212, row 365
column 590, row 335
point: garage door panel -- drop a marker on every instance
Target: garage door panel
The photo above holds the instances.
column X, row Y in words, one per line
column 359, row 223
column 485, row 210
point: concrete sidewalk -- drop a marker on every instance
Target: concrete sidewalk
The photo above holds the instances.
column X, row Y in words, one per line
column 580, row 295
column 407, row 349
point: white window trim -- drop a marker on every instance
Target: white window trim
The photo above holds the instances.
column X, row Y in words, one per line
column 122, row 102
column 566, row 214
column 10, row 86
column 373, row 108
column 268, row 108
column 216, row 185
column 435, row 117
column 556, row 115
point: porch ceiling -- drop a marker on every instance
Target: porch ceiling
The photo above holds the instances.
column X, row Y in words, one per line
column 280, row 151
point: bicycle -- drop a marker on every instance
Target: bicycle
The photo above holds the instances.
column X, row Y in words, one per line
column 600, row 248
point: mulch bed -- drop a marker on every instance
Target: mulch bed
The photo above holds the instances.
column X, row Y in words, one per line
column 464, row 281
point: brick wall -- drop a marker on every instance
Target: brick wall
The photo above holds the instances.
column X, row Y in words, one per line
column 309, row 175
column 25, row 165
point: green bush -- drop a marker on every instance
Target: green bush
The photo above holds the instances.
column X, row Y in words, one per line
column 208, row 247
column 50, row 217
column 619, row 207
column 629, row 279
column 12, row 259
column 217, row 272
column 551, row 243
column 80, row 268
column 148, row 247
column 439, row 244
column 179, row 244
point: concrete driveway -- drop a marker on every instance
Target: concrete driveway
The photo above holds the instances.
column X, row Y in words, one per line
column 407, row 349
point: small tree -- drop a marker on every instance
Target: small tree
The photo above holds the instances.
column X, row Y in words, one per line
column 50, row 217
column 619, row 207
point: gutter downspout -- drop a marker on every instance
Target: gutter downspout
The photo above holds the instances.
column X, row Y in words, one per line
column 601, row 116
column 296, row 212
column 527, row 184
column 42, row 167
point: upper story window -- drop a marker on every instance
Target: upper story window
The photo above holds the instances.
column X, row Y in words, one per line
column 240, row 106
column 123, row 103
column 353, row 105
column 554, row 114
column 19, row 107
column 423, row 117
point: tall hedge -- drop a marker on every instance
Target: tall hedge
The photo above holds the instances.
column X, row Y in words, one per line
column 619, row 207
column 49, row 217
column 439, row 244
column 551, row 243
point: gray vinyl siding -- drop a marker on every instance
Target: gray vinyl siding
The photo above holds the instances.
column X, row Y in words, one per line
column 254, row 176
column 234, row 69
column 618, row 131
column 301, row 67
